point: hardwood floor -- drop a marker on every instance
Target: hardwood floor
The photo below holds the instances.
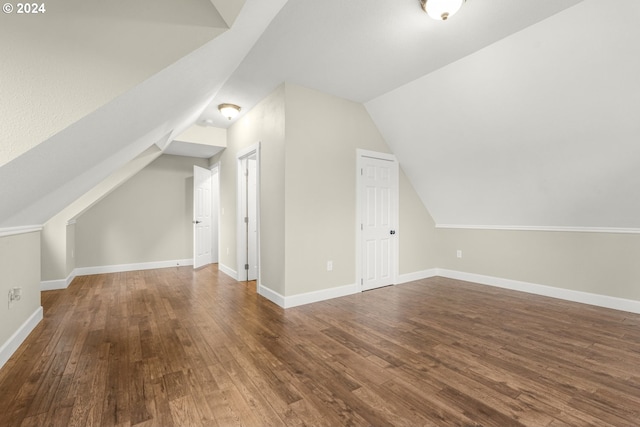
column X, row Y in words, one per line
column 177, row 347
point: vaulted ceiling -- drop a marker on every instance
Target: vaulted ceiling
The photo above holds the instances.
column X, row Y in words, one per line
column 539, row 130
column 509, row 114
column 80, row 99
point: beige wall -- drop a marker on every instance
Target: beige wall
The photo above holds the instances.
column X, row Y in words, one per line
column 265, row 123
column 71, row 248
column 599, row 263
column 19, row 267
column 58, row 239
column 57, row 249
column 147, row 219
column 54, row 249
column 417, row 233
column 308, row 184
column 323, row 133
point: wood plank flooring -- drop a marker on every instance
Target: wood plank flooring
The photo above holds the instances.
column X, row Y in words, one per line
column 177, row 347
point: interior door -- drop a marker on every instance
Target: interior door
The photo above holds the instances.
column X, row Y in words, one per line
column 378, row 187
column 202, row 238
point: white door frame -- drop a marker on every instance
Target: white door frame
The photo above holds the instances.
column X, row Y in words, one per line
column 241, row 238
column 215, row 203
column 360, row 156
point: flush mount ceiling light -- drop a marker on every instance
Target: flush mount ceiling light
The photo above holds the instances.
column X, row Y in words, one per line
column 229, row 110
column 441, row 10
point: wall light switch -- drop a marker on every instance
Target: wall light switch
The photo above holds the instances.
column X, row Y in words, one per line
column 329, row 265
column 459, row 253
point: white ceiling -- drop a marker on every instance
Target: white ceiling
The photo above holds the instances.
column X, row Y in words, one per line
column 539, row 130
column 361, row 49
column 489, row 113
column 61, row 65
column 38, row 182
column 190, row 149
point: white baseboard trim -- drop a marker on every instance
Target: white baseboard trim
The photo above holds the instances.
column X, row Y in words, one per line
column 272, row 295
column 307, row 297
column 321, row 295
column 85, row 271
column 416, row 275
column 53, row 285
column 606, row 301
column 18, row 337
column 228, row 271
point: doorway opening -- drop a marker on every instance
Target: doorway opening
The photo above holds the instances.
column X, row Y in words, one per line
column 248, row 221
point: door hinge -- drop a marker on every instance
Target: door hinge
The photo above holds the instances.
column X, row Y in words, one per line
column 246, row 172
column 246, row 266
column 361, row 227
column 246, row 220
column 361, row 171
column 361, row 282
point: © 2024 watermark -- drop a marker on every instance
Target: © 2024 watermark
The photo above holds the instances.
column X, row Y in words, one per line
column 24, row 8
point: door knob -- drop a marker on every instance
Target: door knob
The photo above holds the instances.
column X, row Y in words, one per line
column 392, row 232
column 197, row 222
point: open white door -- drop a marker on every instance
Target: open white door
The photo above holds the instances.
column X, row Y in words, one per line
column 248, row 230
column 202, row 238
column 215, row 213
column 378, row 200
column 252, row 218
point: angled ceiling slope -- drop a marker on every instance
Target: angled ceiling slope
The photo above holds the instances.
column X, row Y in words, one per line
column 43, row 180
column 537, row 131
column 62, row 64
column 361, row 49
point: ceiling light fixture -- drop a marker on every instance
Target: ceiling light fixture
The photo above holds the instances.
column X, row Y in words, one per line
column 229, row 110
column 441, row 10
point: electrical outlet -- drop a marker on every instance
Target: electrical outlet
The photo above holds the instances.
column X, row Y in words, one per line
column 329, row 265
column 14, row 295
column 459, row 253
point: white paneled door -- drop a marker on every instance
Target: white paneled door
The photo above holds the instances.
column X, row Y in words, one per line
column 378, row 221
column 202, row 238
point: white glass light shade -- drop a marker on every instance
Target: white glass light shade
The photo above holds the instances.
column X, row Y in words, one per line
column 441, row 10
column 229, row 110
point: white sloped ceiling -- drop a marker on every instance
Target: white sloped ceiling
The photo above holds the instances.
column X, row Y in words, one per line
column 511, row 114
column 52, row 173
column 75, row 55
column 540, row 129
